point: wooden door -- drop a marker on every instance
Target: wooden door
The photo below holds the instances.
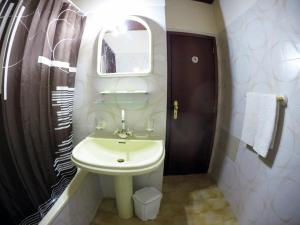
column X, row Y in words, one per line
column 192, row 82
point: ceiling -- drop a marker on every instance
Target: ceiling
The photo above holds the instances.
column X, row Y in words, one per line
column 206, row 1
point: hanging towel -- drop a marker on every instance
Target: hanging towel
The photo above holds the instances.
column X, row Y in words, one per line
column 250, row 120
column 260, row 122
column 267, row 124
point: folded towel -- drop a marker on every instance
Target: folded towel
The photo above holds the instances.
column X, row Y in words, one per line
column 267, row 124
column 260, row 122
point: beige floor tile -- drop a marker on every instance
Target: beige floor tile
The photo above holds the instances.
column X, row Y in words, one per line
column 187, row 200
column 196, row 208
column 108, row 205
column 217, row 203
column 231, row 222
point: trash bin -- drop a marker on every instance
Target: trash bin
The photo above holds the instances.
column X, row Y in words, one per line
column 147, row 203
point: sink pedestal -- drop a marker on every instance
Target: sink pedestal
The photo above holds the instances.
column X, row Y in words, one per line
column 106, row 156
column 123, row 191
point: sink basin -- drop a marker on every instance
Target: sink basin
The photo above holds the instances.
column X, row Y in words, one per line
column 118, row 157
column 122, row 159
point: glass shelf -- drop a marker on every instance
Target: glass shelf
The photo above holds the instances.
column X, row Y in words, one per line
column 126, row 99
column 123, row 92
column 119, row 102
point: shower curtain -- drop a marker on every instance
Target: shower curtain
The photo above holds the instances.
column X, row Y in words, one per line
column 38, row 77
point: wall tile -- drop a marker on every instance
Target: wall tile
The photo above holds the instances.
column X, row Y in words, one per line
column 82, row 206
column 260, row 51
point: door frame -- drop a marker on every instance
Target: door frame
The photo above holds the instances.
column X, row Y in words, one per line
column 169, row 90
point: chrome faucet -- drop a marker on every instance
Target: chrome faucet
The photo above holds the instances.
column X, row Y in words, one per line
column 123, row 132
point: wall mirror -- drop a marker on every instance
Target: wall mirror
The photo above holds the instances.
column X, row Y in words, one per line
column 125, row 49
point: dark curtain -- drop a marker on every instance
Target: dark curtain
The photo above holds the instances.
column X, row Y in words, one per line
column 37, row 103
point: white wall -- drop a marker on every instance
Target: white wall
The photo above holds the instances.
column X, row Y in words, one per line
column 232, row 9
column 190, row 16
column 82, row 205
column 259, row 52
column 87, row 114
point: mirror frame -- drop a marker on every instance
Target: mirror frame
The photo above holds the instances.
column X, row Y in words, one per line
column 125, row 74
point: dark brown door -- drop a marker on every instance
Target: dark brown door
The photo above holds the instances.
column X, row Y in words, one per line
column 192, row 89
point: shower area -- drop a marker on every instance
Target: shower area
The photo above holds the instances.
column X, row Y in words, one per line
column 39, row 43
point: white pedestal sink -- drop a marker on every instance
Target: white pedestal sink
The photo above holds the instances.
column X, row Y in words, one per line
column 122, row 159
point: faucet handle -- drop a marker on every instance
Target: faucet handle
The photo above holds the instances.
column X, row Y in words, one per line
column 129, row 132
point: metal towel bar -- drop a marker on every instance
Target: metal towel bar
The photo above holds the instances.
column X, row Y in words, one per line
column 282, row 100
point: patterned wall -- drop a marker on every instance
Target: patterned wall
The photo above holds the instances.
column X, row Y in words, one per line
column 260, row 51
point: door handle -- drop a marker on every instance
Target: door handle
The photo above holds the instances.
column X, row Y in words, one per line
column 175, row 109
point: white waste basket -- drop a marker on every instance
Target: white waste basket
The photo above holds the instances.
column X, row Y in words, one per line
column 147, row 203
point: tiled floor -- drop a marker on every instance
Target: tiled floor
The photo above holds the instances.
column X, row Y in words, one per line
column 187, row 200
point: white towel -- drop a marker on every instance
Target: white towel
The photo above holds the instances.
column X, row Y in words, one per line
column 250, row 120
column 267, row 124
column 260, row 122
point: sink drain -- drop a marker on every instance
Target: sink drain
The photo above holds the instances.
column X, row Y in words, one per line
column 120, row 160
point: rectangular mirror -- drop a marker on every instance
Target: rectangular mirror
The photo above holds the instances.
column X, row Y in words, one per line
column 125, row 49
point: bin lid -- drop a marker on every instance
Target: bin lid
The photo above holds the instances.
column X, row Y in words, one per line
column 147, row 195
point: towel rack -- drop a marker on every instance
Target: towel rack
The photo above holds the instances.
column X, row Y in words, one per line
column 282, row 100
